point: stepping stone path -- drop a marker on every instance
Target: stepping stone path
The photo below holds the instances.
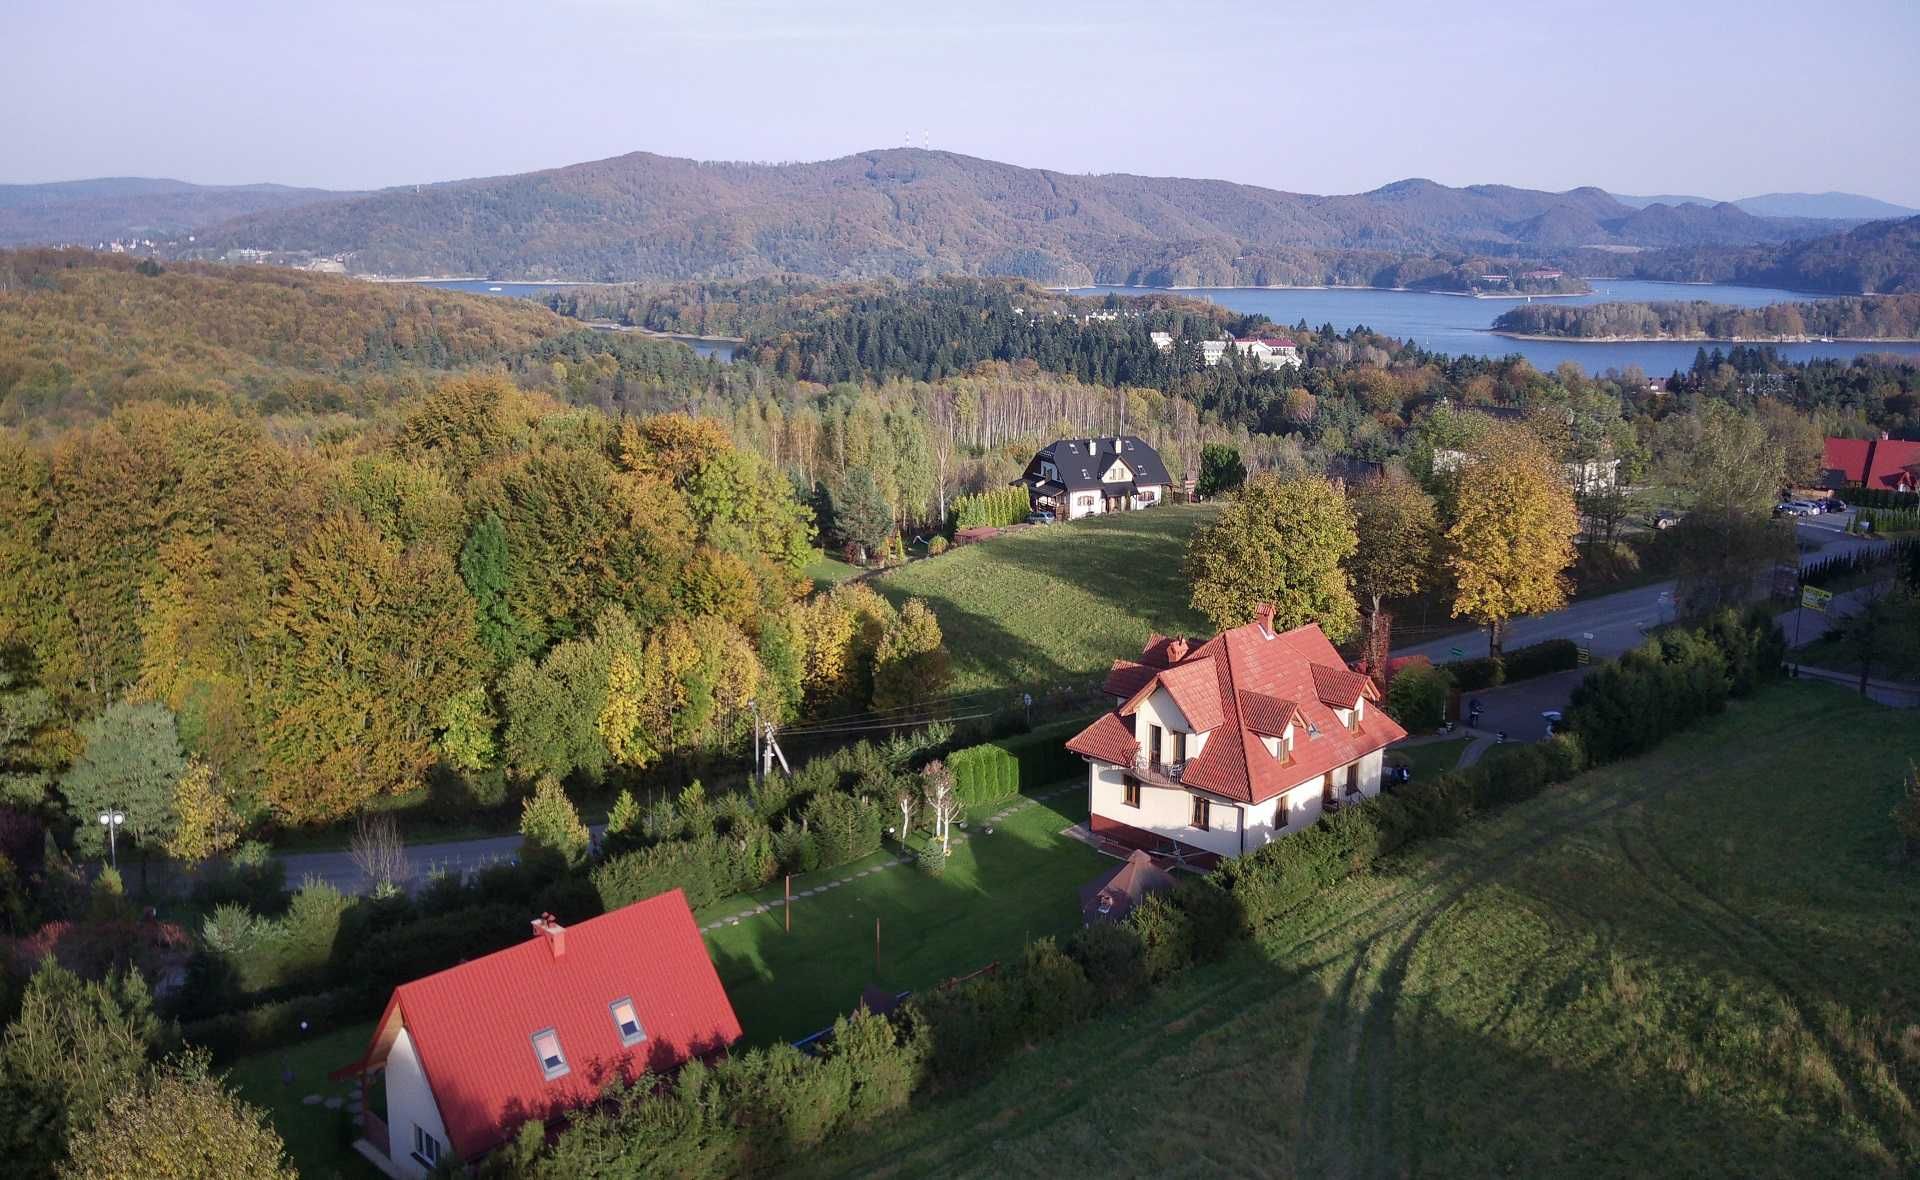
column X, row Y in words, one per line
column 332, row 1104
column 310, row 1100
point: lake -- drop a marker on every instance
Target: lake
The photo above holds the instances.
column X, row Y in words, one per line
column 1457, row 325
column 1453, row 324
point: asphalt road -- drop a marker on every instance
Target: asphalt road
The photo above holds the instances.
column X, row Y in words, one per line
column 463, row 856
column 1618, row 622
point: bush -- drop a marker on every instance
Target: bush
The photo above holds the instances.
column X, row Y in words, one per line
column 995, row 508
column 1417, row 697
column 1113, row 958
column 1166, row 936
column 1474, row 675
column 707, row 869
column 937, row 546
column 844, row 828
column 421, row 947
column 250, row 877
column 984, row 774
column 931, row 858
column 1540, row 659
column 267, row 1026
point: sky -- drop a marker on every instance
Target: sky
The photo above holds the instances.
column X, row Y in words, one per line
column 1698, row 97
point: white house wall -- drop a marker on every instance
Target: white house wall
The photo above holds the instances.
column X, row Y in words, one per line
column 409, row 1102
column 1160, row 709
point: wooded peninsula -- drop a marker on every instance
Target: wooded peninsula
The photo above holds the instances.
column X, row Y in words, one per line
column 1894, row 317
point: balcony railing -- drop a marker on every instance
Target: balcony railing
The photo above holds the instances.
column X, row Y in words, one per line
column 1152, row 770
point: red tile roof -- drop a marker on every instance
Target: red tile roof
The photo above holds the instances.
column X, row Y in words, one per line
column 1266, row 671
column 1896, row 464
column 472, row 1025
column 1126, row 678
column 1275, row 341
column 1847, row 458
column 1266, row 715
column 1340, row 687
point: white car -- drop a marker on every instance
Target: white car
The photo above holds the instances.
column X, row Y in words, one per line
column 1794, row 508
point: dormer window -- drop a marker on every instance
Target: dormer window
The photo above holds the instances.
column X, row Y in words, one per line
column 546, row 1047
column 626, row 1022
column 1313, row 731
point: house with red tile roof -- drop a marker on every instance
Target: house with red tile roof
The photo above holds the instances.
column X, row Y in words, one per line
column 1895, row 466
column 1214, row 749
column 1843, row 462
column 532, row 1031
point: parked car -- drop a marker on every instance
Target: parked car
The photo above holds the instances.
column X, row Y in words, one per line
column 1833, row 504
column 1041, row 517
column 1665, row 520
column 1794, row 508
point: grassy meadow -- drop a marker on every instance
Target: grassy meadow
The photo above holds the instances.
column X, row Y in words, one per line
column 998, row 891
column 1047, row 605
column 1701, row 962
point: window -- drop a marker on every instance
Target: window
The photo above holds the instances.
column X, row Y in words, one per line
column 1280, row 814
column 627, row 1022
column 1130, row 792
column 546, row 1047
column 1155, row 736
column 1200, row 812
column 1353, row 777
column 426, row 1148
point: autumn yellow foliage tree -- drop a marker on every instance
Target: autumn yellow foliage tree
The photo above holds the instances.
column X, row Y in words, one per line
column 179, row 1123
column 1511, row 539
column 205, row 821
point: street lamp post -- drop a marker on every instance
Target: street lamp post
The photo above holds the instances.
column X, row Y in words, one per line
column 111, row 820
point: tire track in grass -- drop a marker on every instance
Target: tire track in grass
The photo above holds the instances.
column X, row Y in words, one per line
column 1690, row 904
column 1324, row 1139
column 1734, row 925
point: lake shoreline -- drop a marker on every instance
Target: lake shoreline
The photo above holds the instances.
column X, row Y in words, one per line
column 1557, row 339
column 1330, row 287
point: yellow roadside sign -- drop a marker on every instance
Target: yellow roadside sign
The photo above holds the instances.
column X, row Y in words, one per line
column 1814, row 598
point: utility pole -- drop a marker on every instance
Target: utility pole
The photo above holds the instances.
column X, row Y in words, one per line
column 757, row 775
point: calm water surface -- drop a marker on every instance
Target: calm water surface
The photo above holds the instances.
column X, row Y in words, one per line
column 1452, row 324
column 1457, row 325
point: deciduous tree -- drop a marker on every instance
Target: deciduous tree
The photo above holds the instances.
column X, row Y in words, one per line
column 206, row 823
column 1283, row 542
column 178, row 1123
column 911, row 666
column 130, row 762
column 1511, row 539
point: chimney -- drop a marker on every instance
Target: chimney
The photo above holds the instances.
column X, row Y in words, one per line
column 1263, row 615
column 1176, row 651
column 553, row 932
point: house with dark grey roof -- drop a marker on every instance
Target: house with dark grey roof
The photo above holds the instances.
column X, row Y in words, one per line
column 1076, row 477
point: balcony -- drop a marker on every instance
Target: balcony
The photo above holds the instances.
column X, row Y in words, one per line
column 1156, row 773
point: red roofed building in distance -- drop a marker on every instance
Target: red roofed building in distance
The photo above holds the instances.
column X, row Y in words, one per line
column 1888, row 464
column 472, row 1052
column 1217, row 748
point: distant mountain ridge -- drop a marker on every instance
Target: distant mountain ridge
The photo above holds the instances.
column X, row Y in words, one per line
column 1828, row 205
column 117, row 208
column 1879, row 257
column 915, row 213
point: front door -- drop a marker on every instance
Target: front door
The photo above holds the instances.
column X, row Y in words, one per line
column 1326, row 788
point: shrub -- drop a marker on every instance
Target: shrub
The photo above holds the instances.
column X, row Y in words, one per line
column 1540, row 659
column 844, row 828
column 266, row 1026
column 880, row 1066
column 931, row 858
column 550, row 827
column 1474, row 675
column 707, row 869
column 796, row 850
column 937, row 546
column 1113, row 957
column 1166, row 936
column 984, row 774
column 1212, row 913
column 250, row 877
column 1054, row 989
column 1417, row 697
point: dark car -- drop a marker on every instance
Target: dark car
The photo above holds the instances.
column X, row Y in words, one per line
column 1832, row 504
column 1039, row 518
column 1665, row 520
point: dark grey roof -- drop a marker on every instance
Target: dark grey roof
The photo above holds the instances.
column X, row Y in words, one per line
column 1080, row 468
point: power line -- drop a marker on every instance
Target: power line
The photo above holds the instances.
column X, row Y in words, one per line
column 906, row 724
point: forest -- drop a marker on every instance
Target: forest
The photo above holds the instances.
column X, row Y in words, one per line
column 1883, row 318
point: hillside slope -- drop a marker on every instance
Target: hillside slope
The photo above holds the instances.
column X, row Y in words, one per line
column 81, row 331
column 1880, row 257
column 913, row 213
column 89, row 212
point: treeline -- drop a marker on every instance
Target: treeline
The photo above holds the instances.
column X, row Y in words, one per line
column 1892, row 318
column 493, row 585
column 1879, row 257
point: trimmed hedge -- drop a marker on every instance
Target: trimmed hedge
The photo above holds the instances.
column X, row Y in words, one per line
column 1541, row 659
column 1474, row 675
column 268, row 1026
column 984, row 774
column 1881, row 498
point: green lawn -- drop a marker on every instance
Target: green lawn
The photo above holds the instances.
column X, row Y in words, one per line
column 1699, row 963
column 315, row 1136
column 1046, row 605
column 830, row 571
column 999, row 890
column 1431, row 759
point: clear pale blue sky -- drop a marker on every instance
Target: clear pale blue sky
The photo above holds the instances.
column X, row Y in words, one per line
column 1718, row 98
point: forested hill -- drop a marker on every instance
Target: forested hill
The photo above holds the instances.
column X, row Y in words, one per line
column 82, row 331
column 914, row 213
column 89, row 212
column 1880, row 257
column 1890, row 318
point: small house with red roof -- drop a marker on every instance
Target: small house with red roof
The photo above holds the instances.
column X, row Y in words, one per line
column 1217, row 748
column 470, row 1053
